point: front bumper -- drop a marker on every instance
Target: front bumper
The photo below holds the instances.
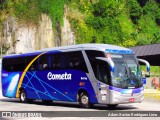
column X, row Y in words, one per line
column 119, row 98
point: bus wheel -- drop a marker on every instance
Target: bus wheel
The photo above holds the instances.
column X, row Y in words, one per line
column 112, row 105
column 23, row 97
column 84, row 100
column 47, row 101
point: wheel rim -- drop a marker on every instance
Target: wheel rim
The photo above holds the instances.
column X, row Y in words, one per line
column 23, row 96
column 84, row 100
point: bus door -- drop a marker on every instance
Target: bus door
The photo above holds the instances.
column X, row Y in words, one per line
column 102, row 74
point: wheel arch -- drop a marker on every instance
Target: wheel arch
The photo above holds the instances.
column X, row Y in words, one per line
column 20, row 89
column 92, row 97
column 82, row 90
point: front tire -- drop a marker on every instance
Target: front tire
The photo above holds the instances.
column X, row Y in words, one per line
column 84, row 100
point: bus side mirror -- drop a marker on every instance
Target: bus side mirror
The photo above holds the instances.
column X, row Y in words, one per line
column 147, row 66
column 109, row 61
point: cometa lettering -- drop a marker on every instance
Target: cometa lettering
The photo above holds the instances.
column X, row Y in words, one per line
column 64, row 76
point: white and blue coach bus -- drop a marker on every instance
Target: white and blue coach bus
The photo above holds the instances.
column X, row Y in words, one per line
column 87, row 73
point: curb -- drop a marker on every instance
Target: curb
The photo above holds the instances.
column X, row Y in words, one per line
column 151, row 91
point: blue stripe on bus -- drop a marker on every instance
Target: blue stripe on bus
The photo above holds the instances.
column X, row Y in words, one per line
column 119, row 51
column 34, row 75
column 32, row 86
column 53, row 98
column 126, row 91
column 41, row 81
column 29, row 79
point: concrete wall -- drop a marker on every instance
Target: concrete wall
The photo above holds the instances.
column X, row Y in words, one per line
column 21, row 38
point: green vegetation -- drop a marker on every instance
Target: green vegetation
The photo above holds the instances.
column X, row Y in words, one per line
column 154, row 70
column 29, row 11
column 122, row 22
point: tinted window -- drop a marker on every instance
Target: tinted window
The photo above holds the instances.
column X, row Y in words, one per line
column 69, row 60
column 76, row 61
column 66, row 60
column 101, row 71
column 43, row 62
column 59, row 61
column 5, row 64
column 100, row 68
column 14, row 64
column 93, row 53
column 34, row 65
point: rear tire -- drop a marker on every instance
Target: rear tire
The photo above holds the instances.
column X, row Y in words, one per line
column 84, row 100
column 23, row 96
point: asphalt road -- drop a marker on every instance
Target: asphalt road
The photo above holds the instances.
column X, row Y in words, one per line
column 12, row 104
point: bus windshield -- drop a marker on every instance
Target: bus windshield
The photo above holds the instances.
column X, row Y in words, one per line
column 127, row 73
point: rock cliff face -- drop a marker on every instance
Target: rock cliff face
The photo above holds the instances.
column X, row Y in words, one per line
column 21, row 38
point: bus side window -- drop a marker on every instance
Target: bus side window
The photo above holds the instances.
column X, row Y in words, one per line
column 69, row 60
column 33, row 67
column 56, row 61
column 76, row 61
column 100, row 68
column 43, row 62
column 14, row 64
column 7, row 64
column 103, row 72
column 59, row 61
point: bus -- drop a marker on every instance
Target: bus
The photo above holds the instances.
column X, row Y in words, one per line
column 85, row 73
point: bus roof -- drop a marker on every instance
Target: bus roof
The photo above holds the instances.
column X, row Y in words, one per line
column 92, row 46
